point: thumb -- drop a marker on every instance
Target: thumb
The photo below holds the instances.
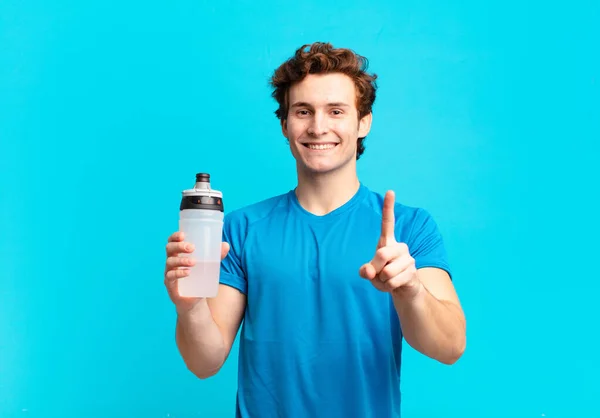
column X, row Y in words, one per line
column 367, row 271
column 224, row 249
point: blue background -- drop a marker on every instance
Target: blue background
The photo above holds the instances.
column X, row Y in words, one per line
column 488, row 116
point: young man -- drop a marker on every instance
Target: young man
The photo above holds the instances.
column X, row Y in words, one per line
column 327, row 278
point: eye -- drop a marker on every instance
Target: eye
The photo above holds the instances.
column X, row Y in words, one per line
column 302, row 112
column 336, row 112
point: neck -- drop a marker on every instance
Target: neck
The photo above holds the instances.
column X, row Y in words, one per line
column 321, row 194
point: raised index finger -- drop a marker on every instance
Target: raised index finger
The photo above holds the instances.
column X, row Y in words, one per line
column 387, row 218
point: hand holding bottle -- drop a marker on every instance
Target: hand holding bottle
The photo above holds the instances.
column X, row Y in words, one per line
column 178, row 267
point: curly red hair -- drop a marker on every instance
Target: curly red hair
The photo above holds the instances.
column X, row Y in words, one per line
column 321, row 58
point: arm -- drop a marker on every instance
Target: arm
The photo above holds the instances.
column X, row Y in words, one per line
column 430, row 314
column 206, row 328
column 431, row 317
column 206, row 332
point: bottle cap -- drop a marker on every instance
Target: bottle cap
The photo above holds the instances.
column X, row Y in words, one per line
column 202, row 196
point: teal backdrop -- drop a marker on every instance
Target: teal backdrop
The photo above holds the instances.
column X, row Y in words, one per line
column 487, row 115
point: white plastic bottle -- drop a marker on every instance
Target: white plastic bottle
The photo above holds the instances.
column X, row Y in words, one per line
column 201, row 220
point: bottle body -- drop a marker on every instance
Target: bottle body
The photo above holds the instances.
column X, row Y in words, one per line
column 204, row 229
column 201, row 221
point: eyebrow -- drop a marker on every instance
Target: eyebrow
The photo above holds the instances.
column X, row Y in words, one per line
column 334, row 104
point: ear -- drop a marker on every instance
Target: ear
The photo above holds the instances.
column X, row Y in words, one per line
column 284, row 130
column 364, row 125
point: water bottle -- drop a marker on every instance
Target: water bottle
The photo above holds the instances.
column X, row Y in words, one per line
column 201, row 220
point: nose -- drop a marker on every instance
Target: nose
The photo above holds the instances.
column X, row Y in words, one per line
column 318, row 125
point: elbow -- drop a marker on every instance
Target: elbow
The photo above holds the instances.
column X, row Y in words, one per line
column 201, row 368
column 452, row 359
column 458, row 346
column 202, row 373
column 455, row 353
column 205, row 375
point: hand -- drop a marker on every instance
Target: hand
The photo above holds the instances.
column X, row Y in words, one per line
column 175, row 268
column 392, row 269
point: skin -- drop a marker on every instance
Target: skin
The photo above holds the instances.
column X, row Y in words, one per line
column 323, row 112
column 428, row 307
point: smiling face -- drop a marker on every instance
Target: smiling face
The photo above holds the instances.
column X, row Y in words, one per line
column 322, row 124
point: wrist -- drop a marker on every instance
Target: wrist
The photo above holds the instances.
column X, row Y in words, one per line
column 411, row 292
column 190, row 311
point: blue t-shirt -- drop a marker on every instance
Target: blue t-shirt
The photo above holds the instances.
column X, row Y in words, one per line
column 318, row 340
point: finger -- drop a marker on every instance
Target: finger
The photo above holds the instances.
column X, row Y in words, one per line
column 387, row 218
column 175, row 262
column 176, row 236
column 379, row 285
column 367, row 271
column 174, row 275
column 397, row 267
column 393, row 269
column 224, row 249
column 385, row 255
column 398, row 281
column 174, row 248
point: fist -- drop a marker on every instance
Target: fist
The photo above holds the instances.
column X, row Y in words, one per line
column 177, row 267
column 392, row 269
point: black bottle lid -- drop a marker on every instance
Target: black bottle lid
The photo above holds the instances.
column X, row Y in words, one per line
column 202, row 196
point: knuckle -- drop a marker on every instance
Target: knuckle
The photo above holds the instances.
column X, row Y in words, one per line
column 382, row 254
column 391, row 249
column 393, row 284
column 172, row 276
column 387, row 273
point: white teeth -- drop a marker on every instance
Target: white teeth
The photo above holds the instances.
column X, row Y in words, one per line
column 321, row 146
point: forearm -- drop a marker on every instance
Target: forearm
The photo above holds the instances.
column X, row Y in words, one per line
column 433, row 327
column 200, row 341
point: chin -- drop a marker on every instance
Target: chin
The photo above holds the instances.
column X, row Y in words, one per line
column 319, row 168
column 321, row 161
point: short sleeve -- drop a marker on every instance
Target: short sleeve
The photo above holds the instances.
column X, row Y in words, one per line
column 426, row 244
column 232, row 271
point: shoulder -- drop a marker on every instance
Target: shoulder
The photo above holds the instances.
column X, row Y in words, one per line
column 247, row 215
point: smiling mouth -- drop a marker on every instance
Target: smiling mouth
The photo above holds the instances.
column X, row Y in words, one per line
column 318, row 147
